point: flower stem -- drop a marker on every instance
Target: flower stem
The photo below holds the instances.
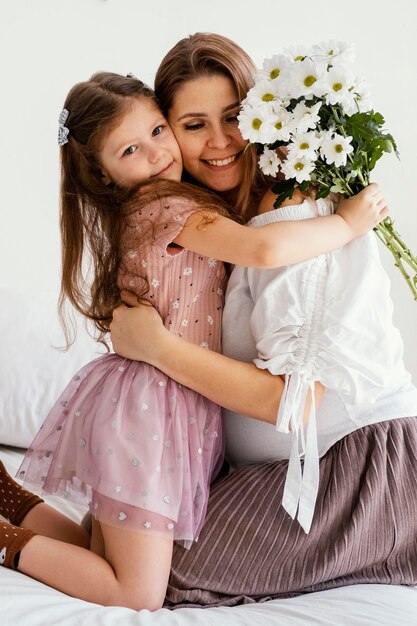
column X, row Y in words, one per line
column 386, row 233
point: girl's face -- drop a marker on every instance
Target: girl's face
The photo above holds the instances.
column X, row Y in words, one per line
column 203, row 117
column 141, row 147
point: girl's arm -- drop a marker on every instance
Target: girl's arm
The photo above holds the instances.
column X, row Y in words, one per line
column 283, row 243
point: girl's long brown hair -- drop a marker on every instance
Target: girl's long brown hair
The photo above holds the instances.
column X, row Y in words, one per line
column 205, row 54
column 91, row 217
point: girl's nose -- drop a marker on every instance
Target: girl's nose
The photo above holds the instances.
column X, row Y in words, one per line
column 219, row 138
column 153, row 153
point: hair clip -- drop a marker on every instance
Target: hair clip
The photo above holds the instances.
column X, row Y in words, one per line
column 130, row 75
column 63, row 131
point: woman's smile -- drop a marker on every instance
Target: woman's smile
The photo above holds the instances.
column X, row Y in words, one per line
column 203, row 117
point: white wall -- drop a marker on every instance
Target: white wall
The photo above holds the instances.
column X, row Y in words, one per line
column 48, row 45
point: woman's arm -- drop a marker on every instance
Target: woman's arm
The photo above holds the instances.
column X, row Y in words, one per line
column 287, row 242
column 137, row 333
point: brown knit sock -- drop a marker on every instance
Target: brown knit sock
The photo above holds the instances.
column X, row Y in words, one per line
column 15, row 502
column 12, row 540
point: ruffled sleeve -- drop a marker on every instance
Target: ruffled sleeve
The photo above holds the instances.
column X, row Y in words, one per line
column 158, row 223
column 286, row 323
column 169, row 219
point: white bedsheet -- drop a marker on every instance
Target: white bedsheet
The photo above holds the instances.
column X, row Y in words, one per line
column 26, row 602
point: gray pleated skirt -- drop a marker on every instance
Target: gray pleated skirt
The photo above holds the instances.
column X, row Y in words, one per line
column 364, row 528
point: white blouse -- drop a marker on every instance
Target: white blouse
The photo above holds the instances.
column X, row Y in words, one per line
column 328, row 319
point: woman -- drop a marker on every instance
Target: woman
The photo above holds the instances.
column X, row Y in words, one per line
column 367, row 464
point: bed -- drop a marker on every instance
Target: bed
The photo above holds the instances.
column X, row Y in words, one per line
column 32, row 373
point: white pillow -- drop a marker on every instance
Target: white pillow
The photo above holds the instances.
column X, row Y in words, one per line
column 33, row 372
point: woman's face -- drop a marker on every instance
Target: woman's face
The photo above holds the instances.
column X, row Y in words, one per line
column 203, row 117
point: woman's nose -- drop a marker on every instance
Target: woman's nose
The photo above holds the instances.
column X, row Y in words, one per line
column 219, row 138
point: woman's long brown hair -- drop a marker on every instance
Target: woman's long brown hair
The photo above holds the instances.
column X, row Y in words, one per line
column 205, row 54
column 91, row 218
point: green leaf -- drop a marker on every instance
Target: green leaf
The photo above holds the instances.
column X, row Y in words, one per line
column 284, row 189
column 323, row 192
column 338, row 186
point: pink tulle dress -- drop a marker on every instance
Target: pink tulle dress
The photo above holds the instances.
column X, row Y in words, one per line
column 135, row 446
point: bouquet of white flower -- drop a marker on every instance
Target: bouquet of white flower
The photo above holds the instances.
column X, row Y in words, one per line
column 312, row 120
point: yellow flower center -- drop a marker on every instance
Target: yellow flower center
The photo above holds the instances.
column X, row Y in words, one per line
column 278, row 125
column 267, row 97
column 337, row 86
column 309, row 80
column 256, row 123
column 299, row 58
column 274, row 73
column 304, row 145
column 338, row 148
column 298, row 166
column 330, row 53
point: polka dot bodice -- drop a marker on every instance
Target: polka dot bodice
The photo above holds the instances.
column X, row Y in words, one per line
column 185, row 287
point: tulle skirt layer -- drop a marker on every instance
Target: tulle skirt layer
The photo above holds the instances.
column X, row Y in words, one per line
column 136, row 447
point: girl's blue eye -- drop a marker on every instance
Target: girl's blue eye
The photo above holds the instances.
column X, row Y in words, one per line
column 130, row 150
column 157, row 131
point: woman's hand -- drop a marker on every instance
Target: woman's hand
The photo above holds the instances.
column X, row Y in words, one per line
column 136, row 329
column 364, row 210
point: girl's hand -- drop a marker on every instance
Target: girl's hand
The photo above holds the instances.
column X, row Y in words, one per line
column 136, row 330
column 363, row 211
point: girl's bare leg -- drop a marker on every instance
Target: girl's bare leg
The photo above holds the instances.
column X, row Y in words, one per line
column 47, row 521
column 134, row 572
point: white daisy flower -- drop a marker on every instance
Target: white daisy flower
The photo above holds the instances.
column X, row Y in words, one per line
column 204, row 344
column 176, row 304
column 339, row 81
column 335, row 52
column 304, row 145
column 252, row 122
column 212, row 262
column 349, row 103
column 335, row 149
column 184, row 323
column 144, row 263
column 275, row 67
column 210, row 320
column 305, row 117
column 307, row 79
column 263, row 91
column 362, row 97
column 279, row 127
column 269, row 162
column 155, row 282
column 300, row 168
column 187, row 271
column 297, row 53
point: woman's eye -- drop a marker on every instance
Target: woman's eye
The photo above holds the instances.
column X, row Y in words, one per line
column 130, row 150
column 195, row 126
column 157, row 131
column 232, row 118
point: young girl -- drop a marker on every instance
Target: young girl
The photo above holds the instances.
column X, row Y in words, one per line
column 136, row 447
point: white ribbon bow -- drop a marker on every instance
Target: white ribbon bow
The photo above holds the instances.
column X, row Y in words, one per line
column 63, row 131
